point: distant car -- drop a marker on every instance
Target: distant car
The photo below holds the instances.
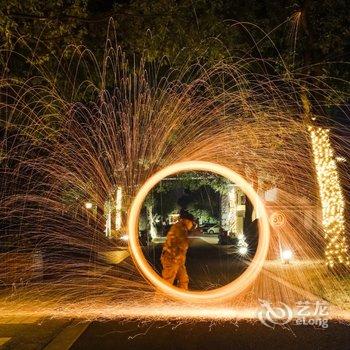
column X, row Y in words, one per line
column 211, row 228
column 196, row 232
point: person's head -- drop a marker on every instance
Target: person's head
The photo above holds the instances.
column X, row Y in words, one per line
column 187, row 219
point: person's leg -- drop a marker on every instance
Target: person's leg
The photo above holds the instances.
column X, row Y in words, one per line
column 182, row 277
column 169, row 271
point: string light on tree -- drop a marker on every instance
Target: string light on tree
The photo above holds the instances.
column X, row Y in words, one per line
column 118, row 208
column 331, row 196
column 108, row 226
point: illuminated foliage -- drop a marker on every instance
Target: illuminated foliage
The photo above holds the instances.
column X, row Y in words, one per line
column 332, row 201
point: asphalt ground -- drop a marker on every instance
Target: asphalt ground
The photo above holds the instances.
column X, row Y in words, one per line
column 209, row 266
column 206, row 335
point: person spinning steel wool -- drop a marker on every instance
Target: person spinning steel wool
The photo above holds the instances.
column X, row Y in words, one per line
column 173, row 256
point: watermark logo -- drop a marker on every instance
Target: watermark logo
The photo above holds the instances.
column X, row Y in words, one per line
column 270, row 316
column 306, row 313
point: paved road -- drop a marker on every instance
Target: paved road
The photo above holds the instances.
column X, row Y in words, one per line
column 204, row 335
column 208, row 266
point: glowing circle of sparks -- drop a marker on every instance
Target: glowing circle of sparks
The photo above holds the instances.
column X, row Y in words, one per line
column 215, row 295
